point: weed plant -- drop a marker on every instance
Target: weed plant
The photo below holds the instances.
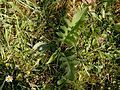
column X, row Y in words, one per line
column 59, row 45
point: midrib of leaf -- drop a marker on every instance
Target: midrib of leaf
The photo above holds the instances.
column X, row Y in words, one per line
column 77, row 19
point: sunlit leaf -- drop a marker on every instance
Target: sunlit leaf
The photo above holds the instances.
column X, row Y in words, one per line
column 53, row 56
